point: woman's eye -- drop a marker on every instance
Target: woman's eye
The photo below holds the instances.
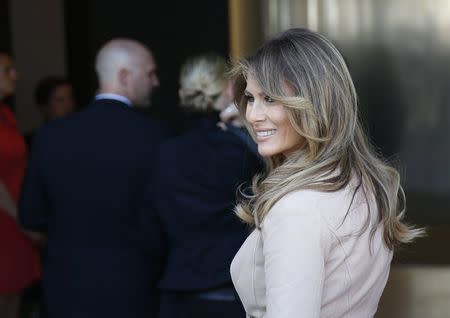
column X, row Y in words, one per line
column 249, row 98
column 268, row 99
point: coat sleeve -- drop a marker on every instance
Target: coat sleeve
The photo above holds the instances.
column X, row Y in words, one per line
column 33, row 205
column 152, row 232
column 294, row 249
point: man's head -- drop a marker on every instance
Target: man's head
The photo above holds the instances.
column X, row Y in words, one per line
column 8, row 75
column 127, row 67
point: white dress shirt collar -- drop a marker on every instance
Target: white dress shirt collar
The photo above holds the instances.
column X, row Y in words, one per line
column 113, row 96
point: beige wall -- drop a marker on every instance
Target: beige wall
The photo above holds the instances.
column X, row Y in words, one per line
column 416, row 292
column 280, row 15
column 245, row 26
column 37, row 35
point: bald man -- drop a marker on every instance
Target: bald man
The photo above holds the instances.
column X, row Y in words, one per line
column 127, row 69
column 83, row 188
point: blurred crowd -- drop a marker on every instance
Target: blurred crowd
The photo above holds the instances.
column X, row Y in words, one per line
column 119, row 213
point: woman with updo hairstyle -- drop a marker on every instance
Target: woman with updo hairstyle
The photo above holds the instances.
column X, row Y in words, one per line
column 203, row 85
column 329, row 211
column 194, row 193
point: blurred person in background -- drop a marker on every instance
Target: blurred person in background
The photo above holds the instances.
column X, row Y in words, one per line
column 83, row 186
column 192, row 196
column 55, row 99
column 329, row 211
column 19, row 266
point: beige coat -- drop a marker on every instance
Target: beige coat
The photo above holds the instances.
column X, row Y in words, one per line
column 308, row 260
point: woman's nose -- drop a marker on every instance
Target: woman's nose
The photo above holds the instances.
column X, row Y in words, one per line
column 255, row 113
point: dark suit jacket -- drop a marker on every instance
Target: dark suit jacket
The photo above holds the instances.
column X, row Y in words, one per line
column 194, row 192
column 83, row 187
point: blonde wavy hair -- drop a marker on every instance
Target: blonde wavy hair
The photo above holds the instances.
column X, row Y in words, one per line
column 202, row 80
column 323, row 109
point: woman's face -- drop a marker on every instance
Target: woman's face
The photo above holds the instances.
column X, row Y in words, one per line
column 61, row 102
column 269, row 120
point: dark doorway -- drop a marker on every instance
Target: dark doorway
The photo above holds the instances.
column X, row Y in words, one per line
column 174, row 30
column 5, row 40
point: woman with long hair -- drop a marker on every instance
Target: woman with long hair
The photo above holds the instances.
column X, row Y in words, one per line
column 329, row 210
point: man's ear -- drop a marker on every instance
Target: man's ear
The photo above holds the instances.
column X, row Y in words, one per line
column 123, row 76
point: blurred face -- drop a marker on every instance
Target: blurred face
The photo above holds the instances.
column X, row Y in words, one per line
column 225, row 98
column 61, row 102
column 143, row 80
column 8, row 76
column 269, row 120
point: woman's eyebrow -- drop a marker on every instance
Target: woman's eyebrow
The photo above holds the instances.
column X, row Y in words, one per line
column 258, row 93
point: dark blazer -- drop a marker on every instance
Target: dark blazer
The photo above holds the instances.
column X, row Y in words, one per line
column 83, row 187
column 194, row 192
